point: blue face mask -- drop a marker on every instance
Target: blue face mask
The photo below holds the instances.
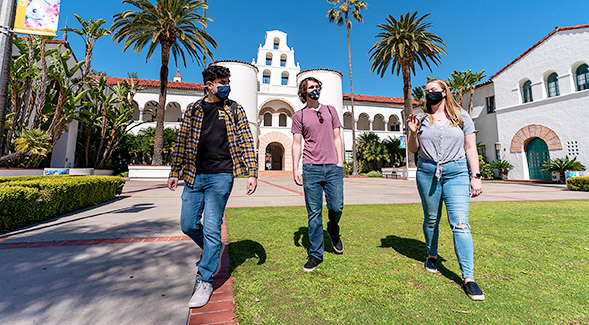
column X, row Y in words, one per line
column 223, row 92
column 314, row 95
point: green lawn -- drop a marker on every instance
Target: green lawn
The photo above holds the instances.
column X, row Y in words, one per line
column 531, row 260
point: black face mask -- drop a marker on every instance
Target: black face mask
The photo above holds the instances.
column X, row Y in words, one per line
column 433, row 98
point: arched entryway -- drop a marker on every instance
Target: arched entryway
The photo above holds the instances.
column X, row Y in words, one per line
column 537, row 155
column 274, row 156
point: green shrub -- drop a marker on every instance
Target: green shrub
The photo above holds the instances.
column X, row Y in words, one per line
column 30, row 199
column 349, row 166
column 374, row 173
column 578, row 183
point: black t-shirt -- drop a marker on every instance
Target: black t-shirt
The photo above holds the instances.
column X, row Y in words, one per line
column 213, row 155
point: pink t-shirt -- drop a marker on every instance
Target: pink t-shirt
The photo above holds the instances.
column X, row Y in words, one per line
column 319, row 144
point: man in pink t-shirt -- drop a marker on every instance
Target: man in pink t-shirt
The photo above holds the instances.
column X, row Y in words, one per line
column 323, row 168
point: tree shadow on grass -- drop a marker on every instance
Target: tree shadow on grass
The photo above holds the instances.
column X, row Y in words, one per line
column 243, row 250
column 301, row 237
column 416, row 250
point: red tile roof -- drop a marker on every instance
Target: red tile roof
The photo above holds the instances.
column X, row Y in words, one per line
column 376, row 99
column 155, row 83
column 556, row 29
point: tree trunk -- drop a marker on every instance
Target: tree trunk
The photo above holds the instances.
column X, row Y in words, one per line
column 40, row 101
column 87, row 62
column 11, row 157
column 158, row 140
column 407, row 109
column 28, row 94
column 470, row 102
column 354, row 159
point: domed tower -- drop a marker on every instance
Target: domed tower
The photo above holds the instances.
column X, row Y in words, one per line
column 244, row 88
column 331, row 92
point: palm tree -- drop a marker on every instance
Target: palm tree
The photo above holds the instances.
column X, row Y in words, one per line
column 401, row 44
column 560, row 165
column 457, row 83
column 90, row 33
column 418, row 94
column 170, row 24
column 471, row 82
column 340, row 15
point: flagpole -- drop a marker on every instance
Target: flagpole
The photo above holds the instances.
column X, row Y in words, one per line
column 7, row 14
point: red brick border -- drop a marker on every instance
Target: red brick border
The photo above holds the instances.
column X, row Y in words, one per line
column 89, row 242
column 221, row 307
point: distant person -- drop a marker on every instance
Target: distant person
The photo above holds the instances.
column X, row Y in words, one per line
column 214, row 145
column 323, row 168
column 444, row 136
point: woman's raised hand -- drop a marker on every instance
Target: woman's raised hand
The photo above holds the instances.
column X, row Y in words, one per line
column 413, row 123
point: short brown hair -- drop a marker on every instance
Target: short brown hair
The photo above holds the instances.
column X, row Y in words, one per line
column 303, row 88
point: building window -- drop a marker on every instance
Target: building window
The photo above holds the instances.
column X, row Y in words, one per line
column 552, row 84
column 527, row 92
column 490, row 104
column 276, row 43
column 283, row 60
column 582, row 76
column 269, row 59
column 572, row 148
column 284, row 79
column 394, row 124
column 266, row 77
column 282, row 119
column 267, row 119
column 348, row 121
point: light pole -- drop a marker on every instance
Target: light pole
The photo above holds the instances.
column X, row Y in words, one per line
column 7, row 14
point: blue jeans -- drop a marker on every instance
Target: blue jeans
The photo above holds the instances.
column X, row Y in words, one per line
column 454, row 190
column 319, row 179
column 205, row 203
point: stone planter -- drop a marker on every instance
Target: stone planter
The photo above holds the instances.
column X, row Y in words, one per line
column 81, row 171
column 104, row 172
column 147, row 172
column 20, row 172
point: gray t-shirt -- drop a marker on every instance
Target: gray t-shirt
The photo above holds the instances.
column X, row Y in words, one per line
column 444, row 143
column 319, row 144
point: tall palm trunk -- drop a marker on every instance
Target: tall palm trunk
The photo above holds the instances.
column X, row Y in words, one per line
column 87, row 62
column 158, row 140
column 407, row 109
column 470, row 101
column 40, row 101
column 355, row 165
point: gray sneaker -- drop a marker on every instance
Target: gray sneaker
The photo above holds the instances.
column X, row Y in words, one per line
column 220, row 259
column 201, row 295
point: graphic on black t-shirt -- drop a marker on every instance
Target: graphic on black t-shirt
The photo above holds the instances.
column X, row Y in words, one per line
column 213, row 155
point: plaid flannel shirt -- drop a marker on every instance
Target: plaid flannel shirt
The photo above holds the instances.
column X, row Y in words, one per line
column 241, row 143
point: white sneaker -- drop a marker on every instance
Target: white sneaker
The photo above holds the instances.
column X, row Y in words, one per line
column 220, row 259
column 201, row 295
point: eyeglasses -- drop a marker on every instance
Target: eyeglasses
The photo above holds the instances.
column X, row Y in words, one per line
column 320, row 117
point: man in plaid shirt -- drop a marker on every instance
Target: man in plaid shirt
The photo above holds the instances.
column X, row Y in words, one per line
column 214, row 145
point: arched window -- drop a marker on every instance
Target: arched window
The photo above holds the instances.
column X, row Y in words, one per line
column 527, row 92
column 269, row 59
column 283, row 60
column 348, row 121
column 582, row 77
column 363, row 122
column 267, row 119
column 266, row 77
column 552, row 85
column 394, row 124
column 284, row 79
column 282, row 119
column 378, row 123
column 276, row 43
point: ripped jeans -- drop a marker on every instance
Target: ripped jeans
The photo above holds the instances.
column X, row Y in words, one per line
column 453, row 188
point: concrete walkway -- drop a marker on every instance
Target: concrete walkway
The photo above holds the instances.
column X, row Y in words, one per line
column 126, row 261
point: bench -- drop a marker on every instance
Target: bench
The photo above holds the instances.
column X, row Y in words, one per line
column 392, row 172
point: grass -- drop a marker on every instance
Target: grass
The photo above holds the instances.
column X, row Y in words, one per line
column 531, row 260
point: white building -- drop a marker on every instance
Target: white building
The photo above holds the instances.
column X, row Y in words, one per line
column 537, row 107
column 267, row 89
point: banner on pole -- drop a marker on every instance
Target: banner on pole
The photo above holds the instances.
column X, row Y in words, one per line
column 37, row 17
column 403, row 142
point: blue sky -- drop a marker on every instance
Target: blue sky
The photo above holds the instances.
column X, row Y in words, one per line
column 479, row 35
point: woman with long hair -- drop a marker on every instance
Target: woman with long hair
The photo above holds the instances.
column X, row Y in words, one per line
column 444, row 136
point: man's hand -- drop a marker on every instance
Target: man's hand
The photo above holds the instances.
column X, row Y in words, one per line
column 298, row 179
column 252, row 184
column 172, row 183
column 340, row 163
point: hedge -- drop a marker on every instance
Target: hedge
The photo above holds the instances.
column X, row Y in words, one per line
column 25, row 200
column 578, row 183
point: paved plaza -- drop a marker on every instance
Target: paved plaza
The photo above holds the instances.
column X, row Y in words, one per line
column 127, row 262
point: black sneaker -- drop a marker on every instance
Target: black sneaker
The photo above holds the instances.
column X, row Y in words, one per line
column 311, row 264
column 431, row 264
column 473, row 291
column 337, row 244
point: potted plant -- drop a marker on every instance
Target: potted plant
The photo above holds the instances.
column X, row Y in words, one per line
column 502, row 166
column 561, row 165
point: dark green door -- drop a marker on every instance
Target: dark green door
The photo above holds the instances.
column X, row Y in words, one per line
column 537, row 154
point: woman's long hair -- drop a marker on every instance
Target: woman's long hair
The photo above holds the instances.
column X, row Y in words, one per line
column 451, row 107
